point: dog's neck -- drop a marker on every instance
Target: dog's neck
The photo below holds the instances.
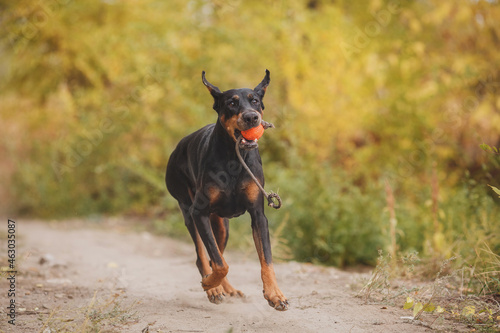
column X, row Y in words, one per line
column 225, row 144
column 221, row 139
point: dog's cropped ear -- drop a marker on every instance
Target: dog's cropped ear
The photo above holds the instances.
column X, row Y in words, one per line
column 261, row 87
column 214, row 91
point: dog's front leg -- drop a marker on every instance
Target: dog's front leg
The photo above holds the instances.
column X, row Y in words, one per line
column 272, row 292
column 219, row 265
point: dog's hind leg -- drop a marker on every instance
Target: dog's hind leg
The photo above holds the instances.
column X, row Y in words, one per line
column 220, row 228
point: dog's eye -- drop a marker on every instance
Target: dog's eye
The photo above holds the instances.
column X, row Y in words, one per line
column 232, row 104
column 255, row 101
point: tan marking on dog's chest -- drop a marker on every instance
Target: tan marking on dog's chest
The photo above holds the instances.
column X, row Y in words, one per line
column 251, row 190
column 213, row 194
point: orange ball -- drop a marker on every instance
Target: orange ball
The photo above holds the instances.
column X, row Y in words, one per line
column 253, row 133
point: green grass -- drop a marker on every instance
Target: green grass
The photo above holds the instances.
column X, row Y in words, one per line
column 460, row 291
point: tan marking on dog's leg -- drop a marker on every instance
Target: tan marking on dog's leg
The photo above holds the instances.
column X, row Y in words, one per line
column 218, row 274
column 205, row 264
column 221, row 234
column 272, row 292
column 219, row 230
column 215, row 294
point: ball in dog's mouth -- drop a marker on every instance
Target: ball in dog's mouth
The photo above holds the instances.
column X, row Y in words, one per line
column 254, row 133
column 243, row 143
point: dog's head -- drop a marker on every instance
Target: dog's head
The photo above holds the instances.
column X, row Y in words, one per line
column 239, row 109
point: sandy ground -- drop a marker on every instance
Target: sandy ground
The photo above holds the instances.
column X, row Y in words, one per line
column 67, row 270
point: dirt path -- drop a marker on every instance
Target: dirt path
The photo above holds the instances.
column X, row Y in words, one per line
column 148, row 283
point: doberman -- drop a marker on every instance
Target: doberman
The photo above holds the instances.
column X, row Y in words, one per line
column 206, row 178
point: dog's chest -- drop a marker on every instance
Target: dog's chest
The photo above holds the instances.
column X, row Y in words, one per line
column 231, row 197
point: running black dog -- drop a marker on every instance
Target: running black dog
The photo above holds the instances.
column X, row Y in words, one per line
column 206, row 178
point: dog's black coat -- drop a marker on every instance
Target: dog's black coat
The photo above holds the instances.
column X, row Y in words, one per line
column 206, row 178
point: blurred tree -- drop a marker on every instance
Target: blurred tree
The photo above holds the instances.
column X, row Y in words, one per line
column 95, row 96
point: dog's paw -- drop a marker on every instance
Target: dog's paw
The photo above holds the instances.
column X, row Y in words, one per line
column 216, row 295
column 230, row 290
column 213, row 280
column 276, row 299
column 236, row 293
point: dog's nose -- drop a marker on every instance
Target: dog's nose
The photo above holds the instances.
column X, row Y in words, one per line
column 251, row 118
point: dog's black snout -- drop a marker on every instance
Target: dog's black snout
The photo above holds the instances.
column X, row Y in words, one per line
column 251, row 118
